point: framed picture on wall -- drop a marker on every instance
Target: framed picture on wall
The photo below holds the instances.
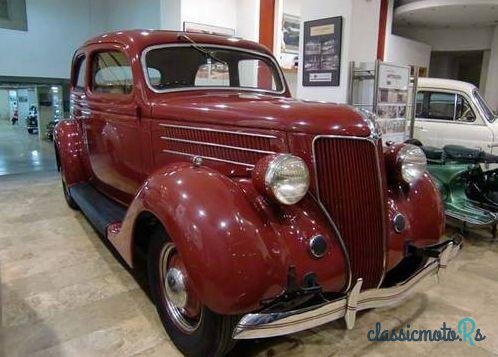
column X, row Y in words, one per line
column 208, row 29
column 291, row 27
column 322, row 52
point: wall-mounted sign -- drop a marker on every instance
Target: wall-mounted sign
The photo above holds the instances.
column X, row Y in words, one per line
column 322, row 52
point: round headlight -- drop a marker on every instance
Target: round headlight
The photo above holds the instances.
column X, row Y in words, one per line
column 412, row 163
column 285, row 178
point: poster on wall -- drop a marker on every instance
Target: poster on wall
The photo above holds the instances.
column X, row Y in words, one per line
column 392, row 100
column 322, row 52
column 290, row 33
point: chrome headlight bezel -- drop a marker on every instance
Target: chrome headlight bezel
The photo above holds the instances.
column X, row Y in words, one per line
column 411, row 162
column 285, row 178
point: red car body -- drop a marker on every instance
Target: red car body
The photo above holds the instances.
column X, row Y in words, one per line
column 237, row 245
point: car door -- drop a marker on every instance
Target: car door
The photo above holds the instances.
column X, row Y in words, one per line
column 449, row 118
column 112, row 127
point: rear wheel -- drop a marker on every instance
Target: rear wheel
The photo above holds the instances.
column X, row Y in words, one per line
column 30, row 131
column 193, row 328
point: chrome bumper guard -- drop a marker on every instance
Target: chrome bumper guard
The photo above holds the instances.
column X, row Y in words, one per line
column 282, row 323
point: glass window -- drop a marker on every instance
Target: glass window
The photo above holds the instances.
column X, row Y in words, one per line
column 490, row 116
column 435, row 105
column 189, row 67
column 254, row 73
column 441, row 106
column 419, row 106
column 212, row 74
column 80, row 73
column 464, row 112
column 111, row 73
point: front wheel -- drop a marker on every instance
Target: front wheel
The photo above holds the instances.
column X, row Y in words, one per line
column 193, row 328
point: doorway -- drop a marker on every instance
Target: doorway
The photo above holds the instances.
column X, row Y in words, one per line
column 465, row 66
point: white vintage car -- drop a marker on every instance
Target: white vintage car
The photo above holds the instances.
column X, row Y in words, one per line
column 453, row 112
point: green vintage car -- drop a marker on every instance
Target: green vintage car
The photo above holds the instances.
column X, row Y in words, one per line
column 468, row 187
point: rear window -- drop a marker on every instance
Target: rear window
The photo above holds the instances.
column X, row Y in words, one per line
column 170, row 68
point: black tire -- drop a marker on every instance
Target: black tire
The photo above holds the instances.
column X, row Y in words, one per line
column 212, row 335
column 30, row 131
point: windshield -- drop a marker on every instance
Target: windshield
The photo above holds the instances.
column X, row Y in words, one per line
column 488, row 113
column 187, row 67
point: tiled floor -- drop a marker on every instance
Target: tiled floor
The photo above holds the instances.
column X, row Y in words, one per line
column 64, row 294
column 21, row 152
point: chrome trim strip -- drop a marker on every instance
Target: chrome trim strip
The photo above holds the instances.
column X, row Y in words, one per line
column 373, row 141
column 208, row 158
column 168, row 138
column 239, row 49
column 262, row 325
column 217, row 130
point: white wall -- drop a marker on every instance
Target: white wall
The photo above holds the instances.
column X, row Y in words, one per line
column 318, row 9
column 55, row 29
column 214, row 12
column 247, row 19
column 359, row 41
column 171, row 15
column 133, row 14
column 408, row 52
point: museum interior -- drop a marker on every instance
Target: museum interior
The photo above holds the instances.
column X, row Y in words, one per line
column 248, row 177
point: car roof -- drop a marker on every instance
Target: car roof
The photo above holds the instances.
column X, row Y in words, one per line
column 143, row 38
column 440, row 83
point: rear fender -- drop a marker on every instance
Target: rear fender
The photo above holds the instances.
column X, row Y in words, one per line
column 69, row 150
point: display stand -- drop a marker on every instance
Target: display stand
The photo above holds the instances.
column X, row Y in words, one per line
column 386, row 90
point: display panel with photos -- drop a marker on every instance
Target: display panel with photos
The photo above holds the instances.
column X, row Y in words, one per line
column 392, row 100
column 322, row 52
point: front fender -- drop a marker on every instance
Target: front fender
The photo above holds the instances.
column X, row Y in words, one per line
column 236, row 246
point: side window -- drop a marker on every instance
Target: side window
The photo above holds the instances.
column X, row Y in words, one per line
column 441, row 106
column 111, row 73
column 464, row 112
column 80, row 70
column 419, row 105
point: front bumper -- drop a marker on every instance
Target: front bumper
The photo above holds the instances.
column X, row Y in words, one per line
column 262, row 325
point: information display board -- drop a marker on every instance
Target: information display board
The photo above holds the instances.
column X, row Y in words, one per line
column 393, row 84
column 322, row 52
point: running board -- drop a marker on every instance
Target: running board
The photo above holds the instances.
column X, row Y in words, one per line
column 98, row 209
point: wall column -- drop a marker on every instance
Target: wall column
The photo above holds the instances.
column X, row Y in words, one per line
column 491, row 93
column 359, row 41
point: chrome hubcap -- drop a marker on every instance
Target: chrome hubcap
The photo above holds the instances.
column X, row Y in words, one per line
column 179, row 304
column 175, row 288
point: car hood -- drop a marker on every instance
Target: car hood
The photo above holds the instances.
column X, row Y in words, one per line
column 250, row 110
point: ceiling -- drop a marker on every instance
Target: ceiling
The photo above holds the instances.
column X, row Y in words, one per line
column 446, row 13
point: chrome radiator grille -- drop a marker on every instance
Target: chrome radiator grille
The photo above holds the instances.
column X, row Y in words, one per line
column 351, row 188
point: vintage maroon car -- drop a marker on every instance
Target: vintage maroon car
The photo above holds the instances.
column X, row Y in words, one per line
column 254, row 214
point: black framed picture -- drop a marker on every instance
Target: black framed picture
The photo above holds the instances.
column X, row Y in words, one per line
column 322, row 52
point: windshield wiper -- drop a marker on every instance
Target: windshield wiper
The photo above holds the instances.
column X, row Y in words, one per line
column 202, row 49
